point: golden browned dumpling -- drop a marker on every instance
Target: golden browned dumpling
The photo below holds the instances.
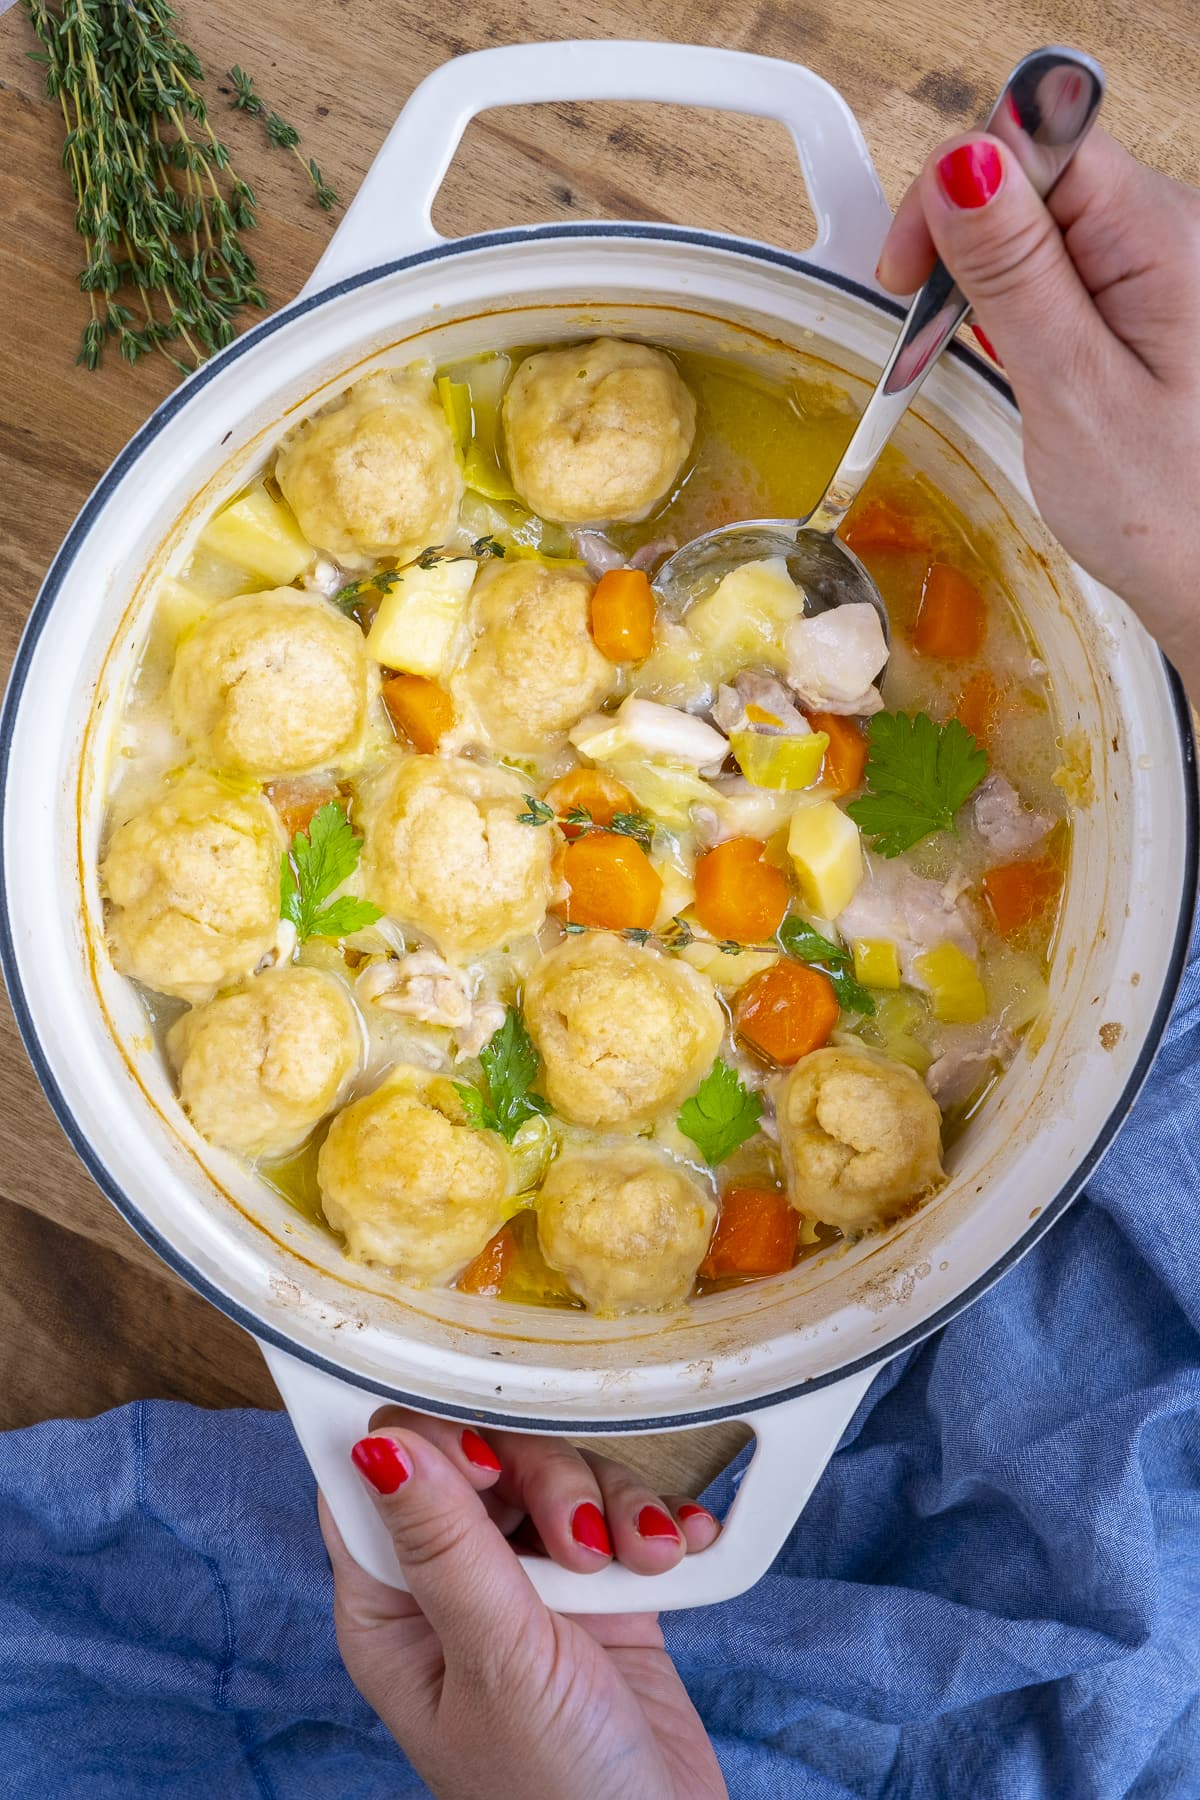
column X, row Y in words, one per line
column 860, row 1135
column 259, row 1068
column 374, row 475
column 272, row 684
column 597, row 432
column 409, row 1183
column 193, row 885
column 626, row 1226
column 624, row 1031
column 532, row 670
column 444, row 851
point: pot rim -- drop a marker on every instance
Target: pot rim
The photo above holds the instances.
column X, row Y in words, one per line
column 164, row 1247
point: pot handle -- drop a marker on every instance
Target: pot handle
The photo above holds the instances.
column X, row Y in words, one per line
column 793, row 1443
column 390, row 215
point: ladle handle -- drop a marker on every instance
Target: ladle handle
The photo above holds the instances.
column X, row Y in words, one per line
column 1044, row 113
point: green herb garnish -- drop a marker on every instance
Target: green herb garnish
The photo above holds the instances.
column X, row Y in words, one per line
column 510, row 1066
column 918, row 775
column 632, row 825
column 245, row 99
column 805, row 943
column 537, row 812
column 720, row 1115
column 317, row 864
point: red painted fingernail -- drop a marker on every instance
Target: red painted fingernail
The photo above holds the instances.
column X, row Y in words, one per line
column 380, row 1461
column 479, row 1453
column 693, row 1512
column 987, row 344
column 589, row 1529
column 653, row 1522
column 971, row 175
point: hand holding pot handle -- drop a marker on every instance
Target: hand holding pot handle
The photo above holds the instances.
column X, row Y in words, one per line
column 1092, row 302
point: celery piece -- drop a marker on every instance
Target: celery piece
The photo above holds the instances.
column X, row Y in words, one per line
column 788, row 763
column 455, row 397
column 876, row 962
column 952, row 978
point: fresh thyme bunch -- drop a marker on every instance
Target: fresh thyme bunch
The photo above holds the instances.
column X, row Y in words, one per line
column 159, row 205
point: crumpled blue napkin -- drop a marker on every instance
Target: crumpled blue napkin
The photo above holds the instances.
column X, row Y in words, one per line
column 994, row 1593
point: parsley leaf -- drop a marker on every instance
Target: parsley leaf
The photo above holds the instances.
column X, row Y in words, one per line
column 720, row 1115
column 318, row 863
column 510, row 1066
column 919, row 774
column 805, row 943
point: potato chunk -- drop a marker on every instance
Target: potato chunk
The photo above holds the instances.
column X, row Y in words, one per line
column 626, row 1226
column 624, row 1032
column 860, row 1135
column 411, row 1184
column 597, row 432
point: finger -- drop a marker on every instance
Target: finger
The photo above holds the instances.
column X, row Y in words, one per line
column 700, row 1528
column 646, row 1537
column 908, row 254
column 459, row 1569
column 548, row 1478
column 469, row 1451
column 1005, row 250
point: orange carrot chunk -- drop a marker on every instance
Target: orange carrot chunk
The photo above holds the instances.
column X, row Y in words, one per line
column 592, row 791
column 755, row 1235
column 846, row 755
column 622, row 615
column 610, row 882
column 298, row 798
column 978, row 708
column 952, row 617
column 881, row 525
column 738, row 895
column 787, row 1011
column 485, row 1273
column 420, row 710
column 1019, row 893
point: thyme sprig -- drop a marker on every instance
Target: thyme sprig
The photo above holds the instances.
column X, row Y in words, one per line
column 625, row 824
column 246, row 99
column 384, row 580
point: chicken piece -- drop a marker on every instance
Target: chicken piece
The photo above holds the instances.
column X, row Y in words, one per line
column 833, row 658
column 765, row 696
column 900, row 907
column 407, row 1180
column 532, row 669
column 444, row 850
column 374, row 475
column 1008, row 827
column 259, row 1068
column 272, row 684
column 192, row 881
column 645, row 728
column 598, row 431
column 860, row 1137
column 625, row 1033
column 626, row 1226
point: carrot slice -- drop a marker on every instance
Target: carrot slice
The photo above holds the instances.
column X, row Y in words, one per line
column 592, row 791
column 882, row 525
column 952, row 617
column 610, row 882
column 623, row 614
column 738, row 895
column 787, row 1011
column 846, row 754
column 486, row 1273
column 298, row 798
column 1017, row 894
column 420, row 709
column 978, row 708
column 755, row 1235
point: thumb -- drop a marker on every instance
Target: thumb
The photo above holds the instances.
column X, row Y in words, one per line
column 460, row 1570
column 1008, row 256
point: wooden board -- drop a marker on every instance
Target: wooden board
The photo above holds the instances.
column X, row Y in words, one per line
column 88, row 1316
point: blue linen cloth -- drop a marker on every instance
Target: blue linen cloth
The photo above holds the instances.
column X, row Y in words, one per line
column 994, row 1593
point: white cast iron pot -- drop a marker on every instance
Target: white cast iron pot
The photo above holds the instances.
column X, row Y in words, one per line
column 793, row 1355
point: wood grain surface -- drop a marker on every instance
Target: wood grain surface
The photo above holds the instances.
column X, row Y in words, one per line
column 88, row 1316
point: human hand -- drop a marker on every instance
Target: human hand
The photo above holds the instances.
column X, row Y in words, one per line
column 1092, row 300
column 490, row 1693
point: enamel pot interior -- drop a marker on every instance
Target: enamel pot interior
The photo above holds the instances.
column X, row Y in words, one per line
column 1126, row 910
